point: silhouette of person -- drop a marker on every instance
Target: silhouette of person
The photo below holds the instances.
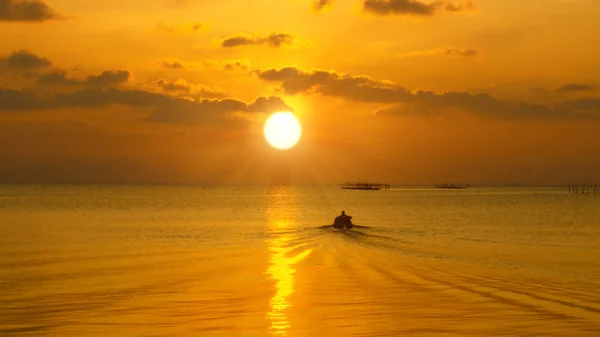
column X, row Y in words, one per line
column 342, row 221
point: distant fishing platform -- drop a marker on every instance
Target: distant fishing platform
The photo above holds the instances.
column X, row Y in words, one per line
column 445, row 185
column 364, row 185
column 583, row 189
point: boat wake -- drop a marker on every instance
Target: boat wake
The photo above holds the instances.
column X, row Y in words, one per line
column 354, row 226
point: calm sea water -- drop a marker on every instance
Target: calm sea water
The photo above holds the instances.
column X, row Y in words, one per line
column 253, row 261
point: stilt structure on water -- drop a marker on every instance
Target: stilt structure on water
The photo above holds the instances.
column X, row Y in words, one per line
column 583, row 189
column 445, row 185
column 364, row 185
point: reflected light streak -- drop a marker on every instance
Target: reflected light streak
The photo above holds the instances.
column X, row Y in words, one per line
column 281, row 267
column 282, row 271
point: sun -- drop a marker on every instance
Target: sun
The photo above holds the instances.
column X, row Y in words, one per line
column 282, row 130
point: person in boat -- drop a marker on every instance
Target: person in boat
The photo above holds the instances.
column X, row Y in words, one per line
column 342, row 221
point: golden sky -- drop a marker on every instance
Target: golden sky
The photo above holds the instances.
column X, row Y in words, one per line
column 401, row 91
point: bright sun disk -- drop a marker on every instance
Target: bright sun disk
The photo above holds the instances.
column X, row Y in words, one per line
column 282, row 130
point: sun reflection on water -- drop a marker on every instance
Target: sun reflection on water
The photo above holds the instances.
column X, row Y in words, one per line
column 280, row 214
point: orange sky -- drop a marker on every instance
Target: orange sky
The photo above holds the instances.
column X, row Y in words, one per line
column 402, row 91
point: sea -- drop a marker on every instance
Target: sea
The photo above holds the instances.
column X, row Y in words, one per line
column 192, row 260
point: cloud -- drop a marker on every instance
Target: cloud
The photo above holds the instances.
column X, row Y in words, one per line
column 171, row 29
column 184, row 88
column 555, row 95
column 483, row 104
column 30, row 74
column 269, row 104
column 413, row 7
column 206, row 112
column 405, row 109
column 362, row 88
column 458, row 7
column 330, row 83
column 385, row 7
column 229, row 65
column 320, row 4
column 108, row 78
column 571, row 87
column 213, row 111
column 589, row 104
column 272, row 39
column 172, row 65
column 24, row 60
column 426, row 102
column 452, row 51
column 57, row 77
column 421, row 53
column 467, row 52
column 167, row 85
column 236, row 64
column 25, row 100
column 164, row 108
column 26, row 10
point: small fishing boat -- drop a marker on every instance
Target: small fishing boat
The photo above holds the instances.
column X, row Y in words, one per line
column 343, row 221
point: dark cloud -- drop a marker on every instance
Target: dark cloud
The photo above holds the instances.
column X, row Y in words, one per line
column 362, row 88
column 214, row 111
column 485, row 104
column 26, row 10
column 424, row 102
column 405, row 109
column 24, row 60
column 575, row 87
column 385, row 7
column 183, row 87
column 207, row 112
column 165, row 109
column 283, row 74
column 452, row 51
column 590, row 104
column 241, row 64
column 102, row 97
column 172, row 65
column 463, row 6
column 26, row 100
column 109, row 78
column 413, row 7
column 208, row 92
column 57, row 77
column 467, row 52
column 30, row 74
column 239, row 40
column 273, row 40
column 269, row 104
column 330, row 83
column 236, row 65
column 173, row 86
column 320, row 4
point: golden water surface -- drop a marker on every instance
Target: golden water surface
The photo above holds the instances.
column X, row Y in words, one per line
column 174, row 261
